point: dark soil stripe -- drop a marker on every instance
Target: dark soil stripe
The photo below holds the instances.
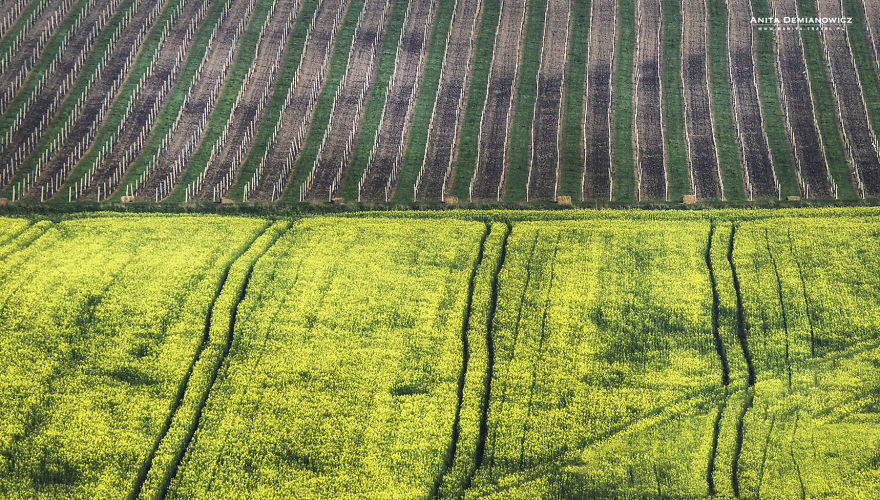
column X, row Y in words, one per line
column 465, row 357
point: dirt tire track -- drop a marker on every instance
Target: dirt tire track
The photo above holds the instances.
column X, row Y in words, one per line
column 184, row 382
column 480, row 449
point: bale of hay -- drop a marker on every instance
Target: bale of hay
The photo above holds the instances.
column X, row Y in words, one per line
column 127, row 199
column 563, row 200
column 451, row 200
column 689, row 199
column 793, row 198
column 337, row 201
column 4, row 202
column 226, row 201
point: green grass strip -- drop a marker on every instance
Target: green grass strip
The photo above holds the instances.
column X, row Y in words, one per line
column 725, row 137
column 826, row 113
column 470, row 127
column 624, row 163
column 321, row 114
column 375, row 102
column 117, row 110
column 223, row 108
column 18, row 26
column 41, row 68
column 414, row 154
column 526, row 91
column 673, row 108
column 75, row 95
column 172, row 104
column 768, row 93
column 272, row 113
column 573, row 108
column 858, row 41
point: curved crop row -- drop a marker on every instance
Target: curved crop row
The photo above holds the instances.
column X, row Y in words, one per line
column 444, row 127
column 380, row 175
column 346, row 114
column 132, row 114
column 497, row 116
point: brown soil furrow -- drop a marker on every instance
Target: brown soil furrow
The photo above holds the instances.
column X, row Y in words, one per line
column 349, row 104
column 598, row 101
column 543, row 181
column 270, row 178
column 84, row 127
column 235, row 141
column 698, row 124
column 34, row 118
column 759, row 175
column 798, row 107
column 440, row 152
column 10, row 11
column 380, row 175
column 650, row 161
column 149, row 98
column 493, row 144
column 872, row 22
column 859, row 140
column 15, row 67
column 201, row 97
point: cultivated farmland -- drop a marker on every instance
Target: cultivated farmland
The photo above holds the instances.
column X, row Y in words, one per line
column 474, row 101
column 481, row 355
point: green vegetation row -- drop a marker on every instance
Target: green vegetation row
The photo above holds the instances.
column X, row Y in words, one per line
column 173, row 103
column 117, row 112
column 519, row 157
column 725, row 137
column 624, row 180
column 826, row 114
column 421, row 119
column 676, row 155
column 572, row 156
column 222, row 111
column 374, row 104
column 771, row 107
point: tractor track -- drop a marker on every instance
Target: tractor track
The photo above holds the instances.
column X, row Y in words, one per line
column 181, row 390
column 452, row 448
column 490, row 364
